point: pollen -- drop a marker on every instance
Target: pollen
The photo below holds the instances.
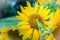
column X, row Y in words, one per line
column 33, row 20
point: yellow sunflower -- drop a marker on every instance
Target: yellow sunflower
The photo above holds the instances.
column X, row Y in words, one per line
column 10, row 33
column 29, row 18
column 56, row 20
column 56, row 23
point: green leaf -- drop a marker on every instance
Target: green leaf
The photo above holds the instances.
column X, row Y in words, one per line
column 40, row 26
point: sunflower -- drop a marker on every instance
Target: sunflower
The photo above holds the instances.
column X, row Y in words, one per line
column 56, row 20
column 44, row 1
column 56, row 23
column 10, row 33
column 29, row 17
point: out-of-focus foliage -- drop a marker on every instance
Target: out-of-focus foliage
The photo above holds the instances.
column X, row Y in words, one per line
column 10, row 21
column 53, row 6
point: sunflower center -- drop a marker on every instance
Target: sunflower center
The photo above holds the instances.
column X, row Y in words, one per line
column 14, row 35
column 57, row 32
column 33, row 20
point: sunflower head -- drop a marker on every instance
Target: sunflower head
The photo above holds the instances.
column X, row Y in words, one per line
column 33, row 20
column 30, row 15
column 10, row 33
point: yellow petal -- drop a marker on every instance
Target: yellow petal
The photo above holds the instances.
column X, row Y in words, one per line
column 22, row 17
column 56, row 18
column 35, row 35
column 29, row 8
column 22, row 23
column 40, row 1
column 28, row 4
column 18, row 13
column 50, row 37
column 23, row 32
column 57, row 15
column 44, row 12
column 28, row 34
column 13, row 28
column 4, row 29
column 23, row 27
column 30, row 11
column 47, row 11
column 40, row 9
column 49, row 16
column 25, row 11
column 36, row 7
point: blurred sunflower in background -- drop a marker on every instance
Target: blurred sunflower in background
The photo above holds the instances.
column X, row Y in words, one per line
column 45, row 1
column 58, row 2
column 10, row 33
column 30, row 16
column 42, row 1
column 55, row 19
column 56, row 24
